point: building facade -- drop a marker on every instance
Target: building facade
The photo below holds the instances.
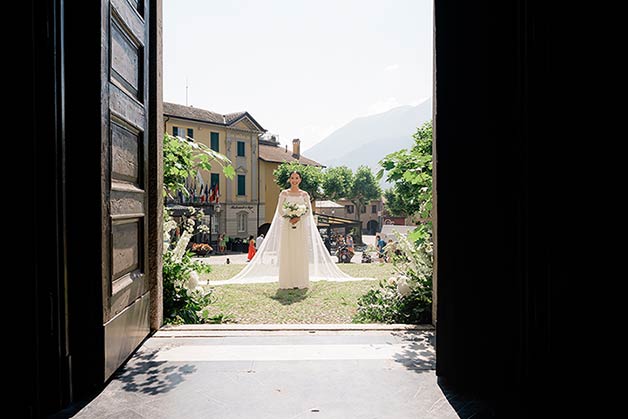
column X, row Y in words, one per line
column 232, row 206
column 245, row 205
column 370, row 214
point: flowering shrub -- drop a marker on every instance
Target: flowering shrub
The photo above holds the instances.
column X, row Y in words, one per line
column 405, row 297
column 184, row 299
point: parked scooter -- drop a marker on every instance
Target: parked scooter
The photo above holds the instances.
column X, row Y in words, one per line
column 344, row 254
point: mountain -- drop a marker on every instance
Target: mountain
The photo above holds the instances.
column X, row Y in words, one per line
column 366, row 140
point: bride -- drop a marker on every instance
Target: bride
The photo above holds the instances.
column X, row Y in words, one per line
column 292, row 252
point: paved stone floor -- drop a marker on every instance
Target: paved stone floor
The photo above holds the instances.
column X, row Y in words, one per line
column 299, row 373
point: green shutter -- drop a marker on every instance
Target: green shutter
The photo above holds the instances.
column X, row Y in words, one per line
column 214, row 143
column 240, row 148
column 241, row 185
column 215, row 179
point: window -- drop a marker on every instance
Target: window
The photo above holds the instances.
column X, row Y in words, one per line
column 214, row 180
column 242, row 219
column 363, row 209
column 191, row 132
column 240, row 148
column 373, row 209
column 176, row 131
column 241, row 185
column 213, row 142
column 349, row 209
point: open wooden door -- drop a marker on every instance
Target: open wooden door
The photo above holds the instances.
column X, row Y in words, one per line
column 113, row 193
column 124, row 165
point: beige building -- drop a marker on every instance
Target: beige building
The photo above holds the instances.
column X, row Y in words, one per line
column 248, row 201
column 331, row 208
column 370, row 214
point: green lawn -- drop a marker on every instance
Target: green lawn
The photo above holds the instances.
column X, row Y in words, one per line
column 324, row 302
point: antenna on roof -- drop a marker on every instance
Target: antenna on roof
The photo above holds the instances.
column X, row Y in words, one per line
column 186, row 91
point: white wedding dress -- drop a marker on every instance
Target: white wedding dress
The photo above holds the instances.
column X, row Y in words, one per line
column 294, row 257
column 294, row 266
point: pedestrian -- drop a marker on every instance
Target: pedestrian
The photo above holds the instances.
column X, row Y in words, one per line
column 380, row 243
column 221, row 244
column 251, row 249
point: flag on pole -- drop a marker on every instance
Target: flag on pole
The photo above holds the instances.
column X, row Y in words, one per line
column 217, row 193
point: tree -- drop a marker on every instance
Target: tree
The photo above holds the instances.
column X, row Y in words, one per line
column 311, row 177
column 394, row 203
column 364, row 188
column 337, row 182
column 411, row 172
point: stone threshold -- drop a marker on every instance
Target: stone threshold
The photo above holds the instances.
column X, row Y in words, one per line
column 207, row 330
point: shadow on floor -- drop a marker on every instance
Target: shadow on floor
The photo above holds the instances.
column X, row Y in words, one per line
column 145, row 375
column 419, row 354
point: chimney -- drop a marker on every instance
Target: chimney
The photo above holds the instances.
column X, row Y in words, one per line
column 296, row 148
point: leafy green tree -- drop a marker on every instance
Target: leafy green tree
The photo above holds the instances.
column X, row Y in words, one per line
column 364, row 188
column 312, row 177
column 411, row 173
column 394, row 203
column 337, row 182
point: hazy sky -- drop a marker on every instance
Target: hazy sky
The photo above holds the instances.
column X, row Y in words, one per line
column 301, row 68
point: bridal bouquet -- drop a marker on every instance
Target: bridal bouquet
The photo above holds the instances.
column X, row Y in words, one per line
column 293, row 210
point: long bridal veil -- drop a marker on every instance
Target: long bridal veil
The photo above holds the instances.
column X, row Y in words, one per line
column 264, row 267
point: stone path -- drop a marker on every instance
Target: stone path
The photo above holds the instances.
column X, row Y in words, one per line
column 300, row 372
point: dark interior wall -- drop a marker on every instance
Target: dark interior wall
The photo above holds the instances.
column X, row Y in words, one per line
column 40, row 81
column 502, row 129
column 481, row 167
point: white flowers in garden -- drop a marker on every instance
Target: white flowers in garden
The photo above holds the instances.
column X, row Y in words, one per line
column 414, row 268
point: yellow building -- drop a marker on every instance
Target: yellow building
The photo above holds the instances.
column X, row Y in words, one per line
column 248, row 201
column 236, row 136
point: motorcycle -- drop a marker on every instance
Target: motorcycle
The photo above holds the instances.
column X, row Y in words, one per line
column 344, row 254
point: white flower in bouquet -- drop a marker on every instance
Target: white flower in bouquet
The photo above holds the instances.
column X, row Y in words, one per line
column 293, row 210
